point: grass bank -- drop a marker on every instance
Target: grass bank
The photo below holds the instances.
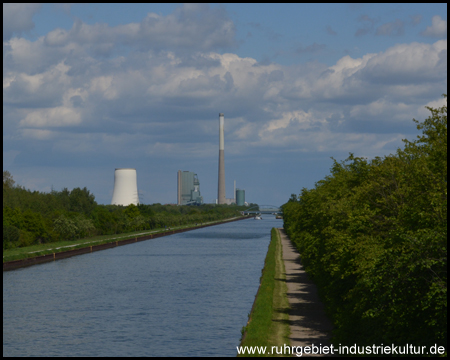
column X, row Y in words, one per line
column 268, row 321
column 60, row 246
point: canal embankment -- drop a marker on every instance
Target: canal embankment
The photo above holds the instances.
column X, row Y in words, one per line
column 53, row 254
column 307, row 319
column 268, row 319
column 287, row 315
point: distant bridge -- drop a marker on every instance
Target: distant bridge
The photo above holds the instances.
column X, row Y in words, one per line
column 263, row 209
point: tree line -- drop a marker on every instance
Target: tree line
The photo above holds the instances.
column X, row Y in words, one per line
column 31, row 217
column 373, row 236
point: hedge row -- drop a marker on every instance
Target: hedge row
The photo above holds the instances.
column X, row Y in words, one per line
column 31, row 217
column 373, row 235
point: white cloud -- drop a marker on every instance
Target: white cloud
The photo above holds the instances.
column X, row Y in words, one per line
column 164, row 102
column 147, row 94
column 423, row 112
column 17, row 53
column 380, row 107
column 38, row 134
column 54, row 117
column 302, row 119
column 104, row 84
column 408, row 63
column 18, row 18
column 437, row 29
column 189, row 27
column 339, row 79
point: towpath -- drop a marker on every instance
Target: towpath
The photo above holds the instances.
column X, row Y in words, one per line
column 308, row 322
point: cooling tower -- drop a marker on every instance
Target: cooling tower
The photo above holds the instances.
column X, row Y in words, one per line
column 125, row 187
column 221, row 191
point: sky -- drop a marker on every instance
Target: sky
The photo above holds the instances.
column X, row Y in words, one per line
column 88, row 88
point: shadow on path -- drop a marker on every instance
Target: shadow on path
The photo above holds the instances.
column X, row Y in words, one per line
column 308, row 322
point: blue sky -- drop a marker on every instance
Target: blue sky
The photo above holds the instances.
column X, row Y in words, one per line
column 92, row 87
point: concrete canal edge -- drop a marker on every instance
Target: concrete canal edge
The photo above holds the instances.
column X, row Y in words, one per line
column 15, row 264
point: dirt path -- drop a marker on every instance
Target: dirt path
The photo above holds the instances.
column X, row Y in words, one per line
column 307, row 319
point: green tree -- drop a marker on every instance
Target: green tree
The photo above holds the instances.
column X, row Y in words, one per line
column 34, row 224
column 11, row 236
column 12, row 217
column 103, row 220
column 84, row 226
column 373, row 235
column 65, row 227
column 82, row 201
column 132, row 211
column 8, row 181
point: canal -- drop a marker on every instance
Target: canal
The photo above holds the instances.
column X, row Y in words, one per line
column 187, row 294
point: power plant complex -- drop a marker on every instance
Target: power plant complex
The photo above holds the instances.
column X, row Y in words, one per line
column 125, row 187
column 188, row 186
column 221, row 197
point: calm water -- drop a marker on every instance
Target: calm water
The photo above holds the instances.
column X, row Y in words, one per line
column 186, row 294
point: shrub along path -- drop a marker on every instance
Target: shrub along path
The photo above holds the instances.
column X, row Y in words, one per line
column 307, row 319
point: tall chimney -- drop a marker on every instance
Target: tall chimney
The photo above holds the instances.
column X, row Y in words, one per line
column 221, row 191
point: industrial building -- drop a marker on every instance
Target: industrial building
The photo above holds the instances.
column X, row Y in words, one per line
column 188, row 189
column 240, row 197
column 221, row 197
column 125, row 187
